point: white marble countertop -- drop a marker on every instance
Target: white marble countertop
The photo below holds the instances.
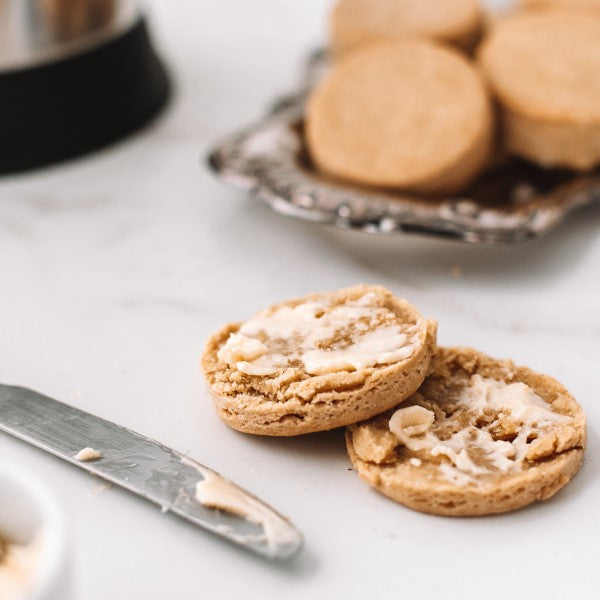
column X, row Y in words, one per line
column 117, row 266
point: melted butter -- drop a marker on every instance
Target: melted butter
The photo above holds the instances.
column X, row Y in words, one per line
column 517, row 400
column 382, row 346
column 240, row 348
column 452, row 474
column 309, row 332
column 473, row 451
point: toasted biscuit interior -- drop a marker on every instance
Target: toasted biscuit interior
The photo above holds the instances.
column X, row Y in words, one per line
column 315, row 362
column 473, row 443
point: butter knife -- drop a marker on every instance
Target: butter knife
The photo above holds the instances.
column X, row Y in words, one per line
column 149, row 469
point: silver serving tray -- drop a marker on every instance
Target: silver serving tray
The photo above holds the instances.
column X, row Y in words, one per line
column 511, row 202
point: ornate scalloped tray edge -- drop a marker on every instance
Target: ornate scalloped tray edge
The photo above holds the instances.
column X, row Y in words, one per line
column 511, row 202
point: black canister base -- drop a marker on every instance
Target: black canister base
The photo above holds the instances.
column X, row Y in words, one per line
column 71, row 106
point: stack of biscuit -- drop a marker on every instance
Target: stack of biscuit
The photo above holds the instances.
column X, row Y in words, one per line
column 442, row 430
column 423, row 96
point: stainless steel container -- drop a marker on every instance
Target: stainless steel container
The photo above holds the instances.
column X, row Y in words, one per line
column 74, row 75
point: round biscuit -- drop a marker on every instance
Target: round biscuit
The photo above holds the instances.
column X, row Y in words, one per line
column 355, row 23
column 406, row 114
column 544, row 68
column 292, row 402
column 381, row 461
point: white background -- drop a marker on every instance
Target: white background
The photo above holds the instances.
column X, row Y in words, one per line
column 116, row 267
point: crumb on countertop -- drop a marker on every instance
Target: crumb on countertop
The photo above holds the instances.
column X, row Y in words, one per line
column 456, row 271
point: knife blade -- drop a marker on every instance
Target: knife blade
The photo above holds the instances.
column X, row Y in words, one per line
column 149, row 469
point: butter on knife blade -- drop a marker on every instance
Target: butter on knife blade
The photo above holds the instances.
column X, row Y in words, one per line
column 149, row 469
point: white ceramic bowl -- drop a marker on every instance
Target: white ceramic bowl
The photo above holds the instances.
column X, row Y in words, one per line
column 29, row 513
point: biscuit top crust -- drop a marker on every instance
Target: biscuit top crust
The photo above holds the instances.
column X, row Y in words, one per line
column 325, row 334
column 442, row 19
column 546, row 64
column 400, row 112
column 489, row 427
column 568, row 4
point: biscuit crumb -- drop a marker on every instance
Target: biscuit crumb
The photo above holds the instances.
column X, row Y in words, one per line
column 100, row 487
column 456, row 271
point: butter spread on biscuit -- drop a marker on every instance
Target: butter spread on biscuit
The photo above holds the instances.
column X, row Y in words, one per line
column 494, row 427
column 321, row 337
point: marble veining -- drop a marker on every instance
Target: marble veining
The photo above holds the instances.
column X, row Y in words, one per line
column 115, row 268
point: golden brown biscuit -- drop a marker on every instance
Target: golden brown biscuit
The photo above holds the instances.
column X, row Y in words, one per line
column 544, row 67
column 407, row 114
column 593, row 5
column 318, row 362
column 480, row 436
column 355, row 23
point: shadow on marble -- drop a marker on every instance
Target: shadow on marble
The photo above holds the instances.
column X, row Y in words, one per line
column 412, row 257
column 330, row 446
column 323, row 445
column 300, row 566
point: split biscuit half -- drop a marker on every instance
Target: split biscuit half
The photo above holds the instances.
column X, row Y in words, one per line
column 544, row 68
column 318, row 362
column 480, row 436
column 408, row 115
column 355, row 23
